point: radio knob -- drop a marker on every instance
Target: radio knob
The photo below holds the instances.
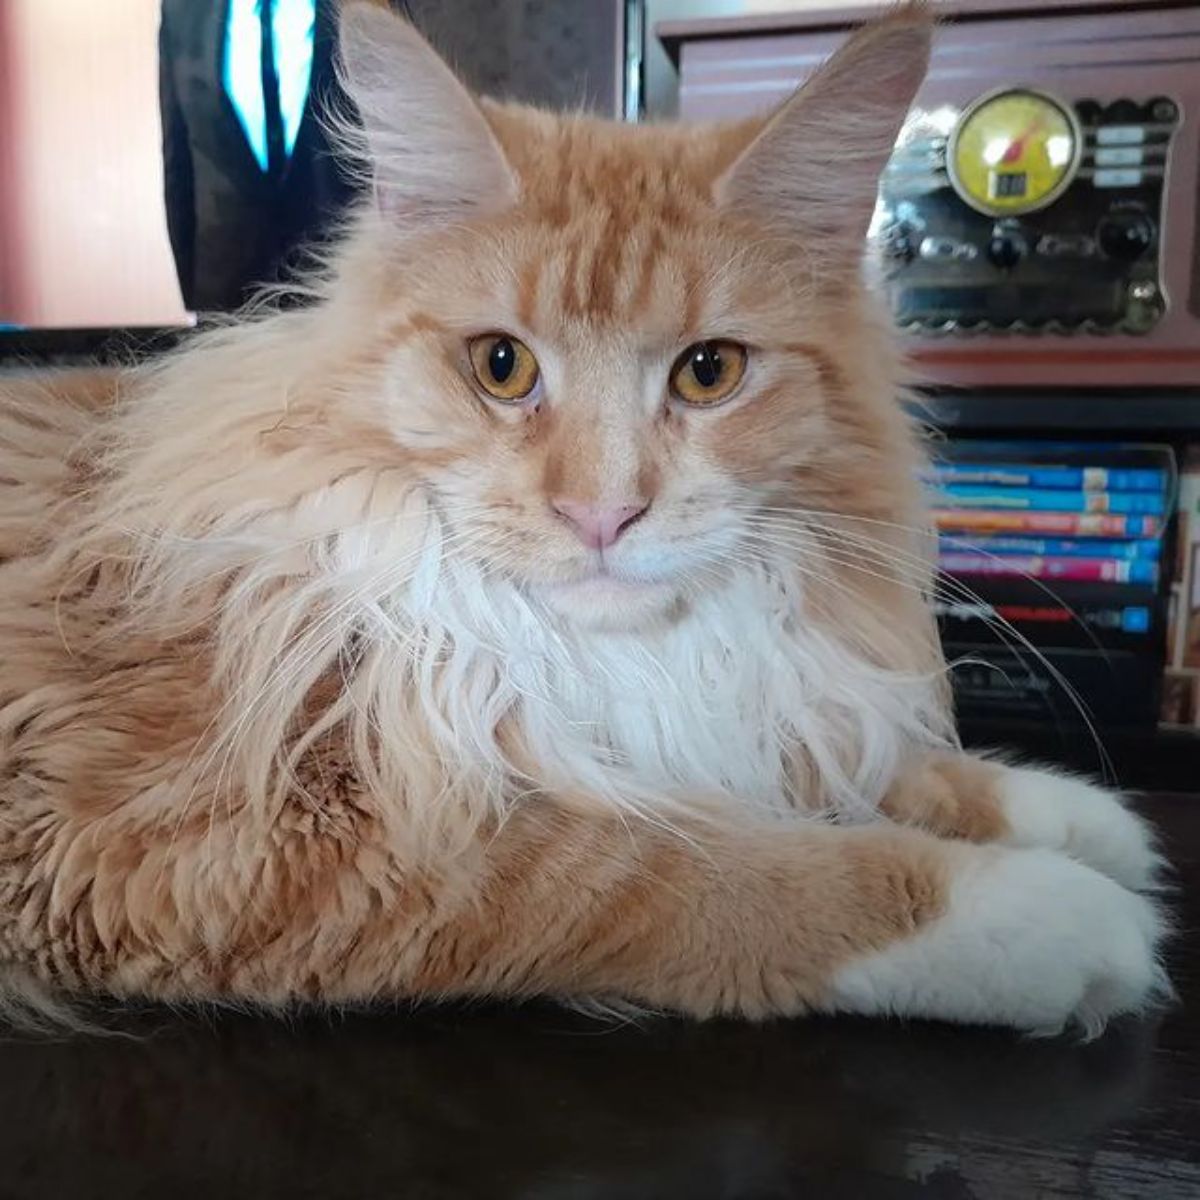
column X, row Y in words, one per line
column 1006, row 249
column 1126, row 236
column 899, row 240
column 899, row 244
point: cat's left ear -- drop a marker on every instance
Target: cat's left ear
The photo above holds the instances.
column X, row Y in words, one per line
column 812, row 171
column 434, row 159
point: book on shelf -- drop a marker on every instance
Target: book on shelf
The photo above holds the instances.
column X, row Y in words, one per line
column 1181, row 683
column 1097, row 570
column 1147, row 548
column 972, row 495
column 1040, row 475
column 1067, row 524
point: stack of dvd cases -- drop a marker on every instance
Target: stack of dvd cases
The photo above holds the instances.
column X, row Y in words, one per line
column 1052, row 597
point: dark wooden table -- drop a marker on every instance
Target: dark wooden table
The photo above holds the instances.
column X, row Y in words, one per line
column 543, row 1105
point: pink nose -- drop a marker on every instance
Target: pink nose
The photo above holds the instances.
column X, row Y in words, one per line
column 598, row 525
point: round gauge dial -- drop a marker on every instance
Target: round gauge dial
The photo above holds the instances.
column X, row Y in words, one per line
column 1014, row 151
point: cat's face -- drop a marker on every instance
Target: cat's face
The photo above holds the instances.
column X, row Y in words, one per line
column 617, row 355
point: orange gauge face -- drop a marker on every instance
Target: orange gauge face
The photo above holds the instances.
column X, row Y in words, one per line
column 1014, row 151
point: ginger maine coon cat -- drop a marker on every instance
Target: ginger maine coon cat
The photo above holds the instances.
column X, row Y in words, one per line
column 540, row 611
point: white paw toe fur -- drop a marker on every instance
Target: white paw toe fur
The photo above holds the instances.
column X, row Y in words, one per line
column 1059, row 812
column 1030, row 939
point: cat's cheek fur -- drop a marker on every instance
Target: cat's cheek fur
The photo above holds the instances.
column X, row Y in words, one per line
column 1029, row 938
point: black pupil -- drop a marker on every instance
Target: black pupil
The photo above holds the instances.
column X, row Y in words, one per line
column 502, row 360
column 706, row 365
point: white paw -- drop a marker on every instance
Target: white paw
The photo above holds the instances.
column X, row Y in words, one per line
column 1060, row 812
column 1030, row 939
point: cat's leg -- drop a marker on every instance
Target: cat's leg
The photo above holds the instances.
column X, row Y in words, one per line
column 879, row 920
column 791, row 918
column 979, row 800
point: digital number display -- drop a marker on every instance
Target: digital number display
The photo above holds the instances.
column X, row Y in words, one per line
column 1008, row 185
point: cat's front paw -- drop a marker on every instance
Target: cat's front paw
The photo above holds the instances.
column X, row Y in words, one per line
column 1060, row 812
column 1029, row 938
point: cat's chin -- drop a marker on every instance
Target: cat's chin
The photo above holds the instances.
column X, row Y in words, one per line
column 604, row 602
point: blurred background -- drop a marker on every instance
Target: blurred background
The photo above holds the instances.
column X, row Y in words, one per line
column 1037, row 238
column 95, row 98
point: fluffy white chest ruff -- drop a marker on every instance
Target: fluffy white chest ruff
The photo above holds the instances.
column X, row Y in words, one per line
column 737, row 701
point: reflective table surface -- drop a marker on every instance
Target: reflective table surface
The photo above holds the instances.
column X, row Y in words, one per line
column 542, row 1104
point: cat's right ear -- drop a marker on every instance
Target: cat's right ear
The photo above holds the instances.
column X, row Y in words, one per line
column 433, row 157
column 813, row 169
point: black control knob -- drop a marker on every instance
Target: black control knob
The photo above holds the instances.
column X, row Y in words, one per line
column 900, row 243
column 1006, row 248
column 1125, row 236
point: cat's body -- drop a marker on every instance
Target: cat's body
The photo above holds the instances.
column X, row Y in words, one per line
column 310, row 692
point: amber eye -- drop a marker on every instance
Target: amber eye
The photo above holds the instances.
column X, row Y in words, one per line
column 504, row 366
column 708, row 372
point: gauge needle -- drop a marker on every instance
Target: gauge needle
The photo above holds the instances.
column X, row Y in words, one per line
column 1017, row 146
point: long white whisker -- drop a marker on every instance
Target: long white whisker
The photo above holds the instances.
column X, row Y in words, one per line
column 958, row 590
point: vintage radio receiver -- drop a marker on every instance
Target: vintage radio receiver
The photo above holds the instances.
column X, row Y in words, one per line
column 1039, row 221
column 1026, row 212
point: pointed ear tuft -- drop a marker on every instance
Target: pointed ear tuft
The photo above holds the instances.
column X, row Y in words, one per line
column 433, row 157
column 813, row 169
